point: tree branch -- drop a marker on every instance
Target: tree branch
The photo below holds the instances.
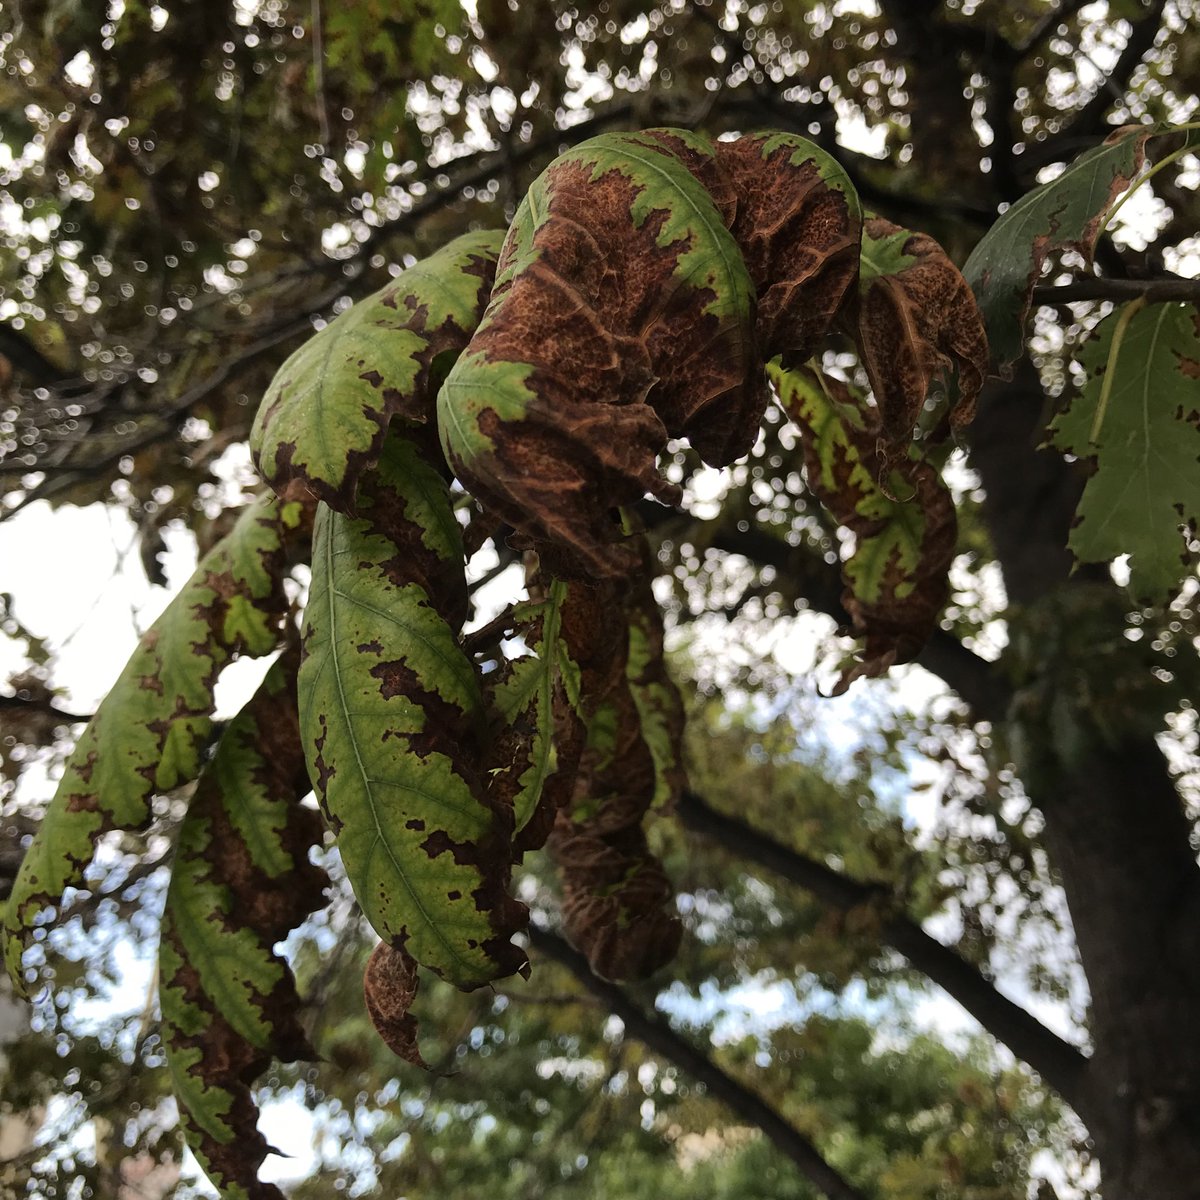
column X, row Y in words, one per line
column 1153, row 291
column 658, row 1036
column 162, row 423
column 1050, row 21
column 1057, row 1061
column 21, row 704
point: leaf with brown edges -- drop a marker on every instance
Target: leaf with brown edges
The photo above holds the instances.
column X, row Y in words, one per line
column 534, row 750
column 1067, row 213
column 324, row 416
column 241, row 880
column 901, row 514
column 915, row 320
column 622, row 315
column 148, row 734
column 659, row 704
column 394, row 723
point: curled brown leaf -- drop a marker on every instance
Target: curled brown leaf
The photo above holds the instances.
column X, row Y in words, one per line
column 915, row 321
column 390, row 985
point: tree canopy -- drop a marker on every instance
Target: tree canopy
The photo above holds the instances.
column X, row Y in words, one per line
column 590, row 413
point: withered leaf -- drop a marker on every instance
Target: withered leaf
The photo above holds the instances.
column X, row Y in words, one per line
column 901, row 514
column 915, row 320
column 390, row 984
column 618, row 906
column 798, row 223
column 622, row 315
column 535, row 749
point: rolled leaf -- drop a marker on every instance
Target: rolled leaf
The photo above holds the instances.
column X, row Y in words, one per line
column 659, row 704
column 617, row 903
column 148, row 733
column 390, row 984
column 241, row 881
column 323, row 419
column 915, row 321
column 797, row 223
column 901, row 515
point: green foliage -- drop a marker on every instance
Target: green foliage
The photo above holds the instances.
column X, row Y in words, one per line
column 432, row 784
column 1138, row 420
column 642, row 287
column 1068, row 213
column 149, row 734
column 324, row 418
column 240, row 883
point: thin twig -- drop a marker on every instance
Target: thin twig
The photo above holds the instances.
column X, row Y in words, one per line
column 1151, row 291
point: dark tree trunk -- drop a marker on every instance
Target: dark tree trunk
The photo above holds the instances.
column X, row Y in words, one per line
column 1115, row 826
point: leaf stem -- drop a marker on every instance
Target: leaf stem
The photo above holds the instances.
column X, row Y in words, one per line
column 1165, row 161
column 1114, row 350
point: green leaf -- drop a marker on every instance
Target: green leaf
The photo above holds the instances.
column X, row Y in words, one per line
column 901, row 515
column 324, row 417
column 1068, row 213
column 393, row 722
column 241, row 881
column 148, row 733
column 1138, row 420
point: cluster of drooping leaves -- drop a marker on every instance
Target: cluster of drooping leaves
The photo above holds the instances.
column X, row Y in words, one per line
column 646, row 283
